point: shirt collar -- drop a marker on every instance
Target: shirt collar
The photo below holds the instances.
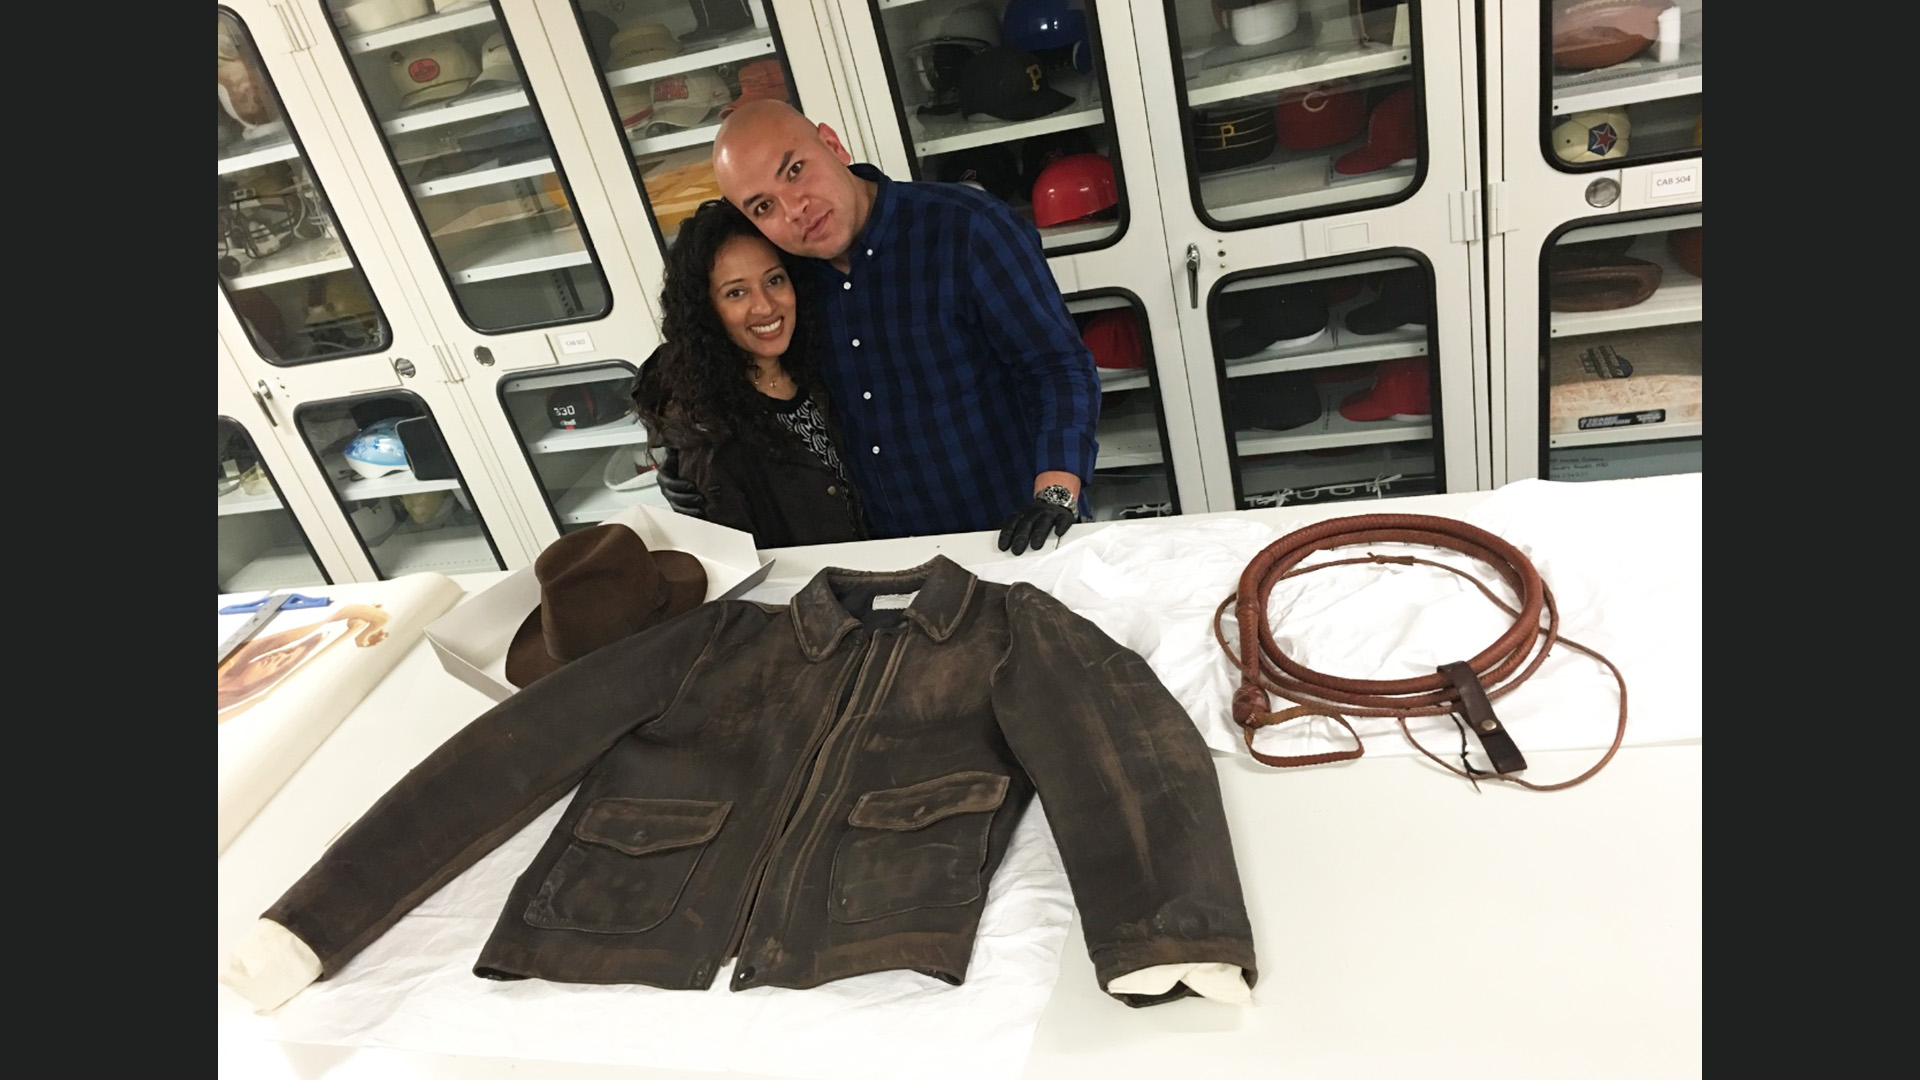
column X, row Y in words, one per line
column 880, row 214
column 820, row 620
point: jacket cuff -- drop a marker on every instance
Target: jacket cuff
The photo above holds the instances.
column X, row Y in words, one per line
column 1216, row 982
column 269, row 966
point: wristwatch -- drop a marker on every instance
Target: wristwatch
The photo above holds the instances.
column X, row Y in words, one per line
column 1058, row 495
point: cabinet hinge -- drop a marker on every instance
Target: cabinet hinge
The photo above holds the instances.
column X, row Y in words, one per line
column 1463, row 216
column 1497, row 208
column 449, row 364
column 298, row 40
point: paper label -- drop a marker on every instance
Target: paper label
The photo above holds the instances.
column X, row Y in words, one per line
column 893, row 601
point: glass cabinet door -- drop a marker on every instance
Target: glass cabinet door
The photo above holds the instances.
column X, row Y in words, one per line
column 442, row 80
column 261, row 545
column 1011, row 97
column 583, row 441
column 1624, row 82
column 1623, row 373
column 669, row 70
column 1133, row 477
column 1297, row 107
column 1329, row 377
column 388, row 466
column 285, row 264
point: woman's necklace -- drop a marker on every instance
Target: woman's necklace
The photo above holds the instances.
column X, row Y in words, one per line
column 767, row 381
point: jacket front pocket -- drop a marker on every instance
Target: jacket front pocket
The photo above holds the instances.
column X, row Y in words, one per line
column 626, row 866
column 918, row 846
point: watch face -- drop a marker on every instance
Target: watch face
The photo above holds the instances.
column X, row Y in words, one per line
column 1057, row 494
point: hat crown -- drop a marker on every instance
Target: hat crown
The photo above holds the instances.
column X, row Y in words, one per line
column 597, row 586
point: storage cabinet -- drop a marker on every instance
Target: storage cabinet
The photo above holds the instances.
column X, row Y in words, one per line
column 464, row 206
column 1596, row 206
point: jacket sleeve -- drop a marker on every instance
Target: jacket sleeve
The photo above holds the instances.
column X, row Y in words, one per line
column 485, row 784
column 1131, row 795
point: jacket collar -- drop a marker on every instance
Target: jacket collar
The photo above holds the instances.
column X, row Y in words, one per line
column 820, row 620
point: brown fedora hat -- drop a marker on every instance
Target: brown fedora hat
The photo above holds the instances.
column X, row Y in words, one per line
column 597, row 586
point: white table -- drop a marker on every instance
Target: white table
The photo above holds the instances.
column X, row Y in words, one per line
column 1405, row 925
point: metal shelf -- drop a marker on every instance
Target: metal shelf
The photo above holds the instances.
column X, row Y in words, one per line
column 356, row 488
column 943, row 135
column 1630, row 82
column 748, row 43
column 450, row 549
column 455, row 109
column 1076, row 232
column 238, row 501
column 625, row 431
column 1343, row 270
column 304, row 259
column 660, row 144
column 1320, row 63
column 275, row 569
column 268, row 152
column 1630, row 433
column 414, row 30
column 1276, row 187
column 481, row 177
column 511, row 256
column 1113, row 379
column 1337, row 349
column 1129, row 439
column 590, row 501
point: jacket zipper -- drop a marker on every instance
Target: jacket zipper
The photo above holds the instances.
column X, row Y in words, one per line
column 764, row 859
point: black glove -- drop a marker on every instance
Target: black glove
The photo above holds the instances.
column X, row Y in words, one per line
column 683, row 495
column 1029, row 527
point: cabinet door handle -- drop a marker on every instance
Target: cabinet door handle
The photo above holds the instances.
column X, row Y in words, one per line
column 1193, row 275
column 261, row 392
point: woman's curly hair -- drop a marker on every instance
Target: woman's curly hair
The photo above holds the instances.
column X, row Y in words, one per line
column 702, row 393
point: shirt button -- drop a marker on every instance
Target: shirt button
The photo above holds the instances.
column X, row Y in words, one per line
column 856, row 343
column 876, row 449
column 846, row 284
column 832, row 490
column 868, row 395
column 869, row 251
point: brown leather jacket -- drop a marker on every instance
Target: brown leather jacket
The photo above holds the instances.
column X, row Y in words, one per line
column 823, row 789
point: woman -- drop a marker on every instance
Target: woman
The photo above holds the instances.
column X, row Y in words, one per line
column 735, row 390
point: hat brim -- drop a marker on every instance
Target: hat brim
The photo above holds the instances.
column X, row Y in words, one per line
column 1045, row 103
column 685, row 584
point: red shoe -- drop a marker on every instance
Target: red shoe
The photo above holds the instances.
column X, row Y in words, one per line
column 1402, row 390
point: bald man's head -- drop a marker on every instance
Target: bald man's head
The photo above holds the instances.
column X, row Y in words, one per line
column 789, row 176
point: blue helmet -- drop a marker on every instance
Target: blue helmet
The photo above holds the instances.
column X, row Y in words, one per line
column 1050, row 30
column 377, row 450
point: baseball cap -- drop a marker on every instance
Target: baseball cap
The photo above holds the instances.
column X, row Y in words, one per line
column 1008, row 83
column 579, row 405
column 1402, row 390
column 989, row 168
column 1074, row 187
column 1595, row 135
column 717, row 18
column 1320, row 117
column 976, row 21
column 1276, row 402
column 1113, row 337
column 496, row 62
column 639, row 43
column 430, row 69
column 365, row 16
column 1391, row 136
column 684, row 100
column 1260, row 28
column 633, row 104
column 1231, row 136
column 758, row 79
column 937, row 65
column 1039, row 151
column 1403, row 300
column 1249, row 321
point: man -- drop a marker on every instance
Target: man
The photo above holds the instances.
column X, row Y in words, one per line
column 967, row 398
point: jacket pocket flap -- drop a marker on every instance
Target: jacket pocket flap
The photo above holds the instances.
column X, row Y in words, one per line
column 922, row 804
column 640, row 826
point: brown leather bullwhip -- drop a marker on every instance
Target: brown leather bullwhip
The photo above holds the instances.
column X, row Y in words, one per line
column 1464, row 687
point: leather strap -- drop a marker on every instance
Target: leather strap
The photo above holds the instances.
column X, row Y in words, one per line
column 1468, row 686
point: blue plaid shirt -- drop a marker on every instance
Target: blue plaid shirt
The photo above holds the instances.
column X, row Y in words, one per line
column 955, row 371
